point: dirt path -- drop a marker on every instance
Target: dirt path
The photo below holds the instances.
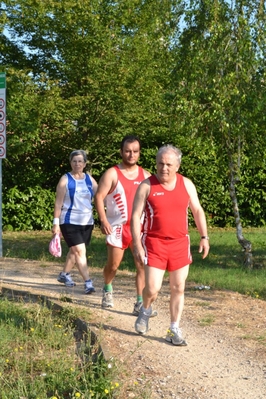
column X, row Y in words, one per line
column 226, row 333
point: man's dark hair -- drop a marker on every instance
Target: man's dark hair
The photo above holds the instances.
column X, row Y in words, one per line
column 130, row 139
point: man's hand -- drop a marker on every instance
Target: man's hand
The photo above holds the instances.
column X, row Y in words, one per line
column 106, row 228
column 204, row 246
column 139, row 255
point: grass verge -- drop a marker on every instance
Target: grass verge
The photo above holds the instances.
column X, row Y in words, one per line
column 222, row 269
column 44, row 356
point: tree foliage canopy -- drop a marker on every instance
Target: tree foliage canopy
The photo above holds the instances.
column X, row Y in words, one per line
column 82, row 74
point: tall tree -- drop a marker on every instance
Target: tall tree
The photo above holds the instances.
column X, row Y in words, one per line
column 224, row 86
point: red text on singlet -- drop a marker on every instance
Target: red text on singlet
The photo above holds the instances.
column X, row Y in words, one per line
column 120, row 201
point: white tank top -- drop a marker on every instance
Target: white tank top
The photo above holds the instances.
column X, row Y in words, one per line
column 77, row 207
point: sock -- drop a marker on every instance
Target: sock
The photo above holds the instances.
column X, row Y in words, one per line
column 139, row 298
column 86, row 281
column 108, row 287
column 174, row 326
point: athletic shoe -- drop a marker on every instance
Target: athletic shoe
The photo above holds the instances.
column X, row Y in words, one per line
column 175, row 337
column 142, row 322
column 137, row 307
column 89, row 289
column 66, row 279
column 107, row 300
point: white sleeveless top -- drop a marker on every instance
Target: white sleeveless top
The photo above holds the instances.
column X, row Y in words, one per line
column 77, row 207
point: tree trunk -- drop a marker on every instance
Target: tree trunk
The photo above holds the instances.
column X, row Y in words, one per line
column 246, row 245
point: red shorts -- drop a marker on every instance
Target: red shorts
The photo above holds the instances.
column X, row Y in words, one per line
column 167, row 253
column 121, row 236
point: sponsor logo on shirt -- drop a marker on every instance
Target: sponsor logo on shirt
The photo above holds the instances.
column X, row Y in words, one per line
column 157, row 194
column 137, row 182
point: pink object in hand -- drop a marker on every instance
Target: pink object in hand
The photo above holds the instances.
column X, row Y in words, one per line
column 55, row 246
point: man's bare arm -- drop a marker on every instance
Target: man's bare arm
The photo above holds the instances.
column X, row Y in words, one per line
column 199, row 217
column 135, row 224
column 106, row 184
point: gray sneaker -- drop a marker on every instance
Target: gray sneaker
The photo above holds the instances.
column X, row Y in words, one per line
column 107, row 300
column 66, row 279
column 175, row 337
column 142, row 322
column 137, row 307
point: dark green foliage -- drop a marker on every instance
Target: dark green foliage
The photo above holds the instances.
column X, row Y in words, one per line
column 31, row 209
column 92, row 72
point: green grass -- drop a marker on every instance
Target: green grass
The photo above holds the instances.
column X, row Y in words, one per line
column 222, row 269
column 33, row 245
column 44, row 356
column 207, row 320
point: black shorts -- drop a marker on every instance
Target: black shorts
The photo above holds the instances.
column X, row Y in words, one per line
column 75, row 234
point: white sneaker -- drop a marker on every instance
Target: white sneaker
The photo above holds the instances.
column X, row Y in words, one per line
column 142, row 322
column 107, row 300
column 175, row 337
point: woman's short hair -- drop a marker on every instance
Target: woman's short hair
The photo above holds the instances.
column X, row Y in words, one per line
column 78, row 152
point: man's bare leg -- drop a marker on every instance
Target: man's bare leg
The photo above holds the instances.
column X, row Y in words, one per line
column 153, row 283
column 177, row 289
column 140, row 277
column 114, row 258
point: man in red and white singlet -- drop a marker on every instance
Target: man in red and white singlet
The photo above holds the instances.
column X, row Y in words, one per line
column 166, row 198
column 116, row 191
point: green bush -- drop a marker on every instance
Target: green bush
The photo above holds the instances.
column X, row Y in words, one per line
column 31, row 209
